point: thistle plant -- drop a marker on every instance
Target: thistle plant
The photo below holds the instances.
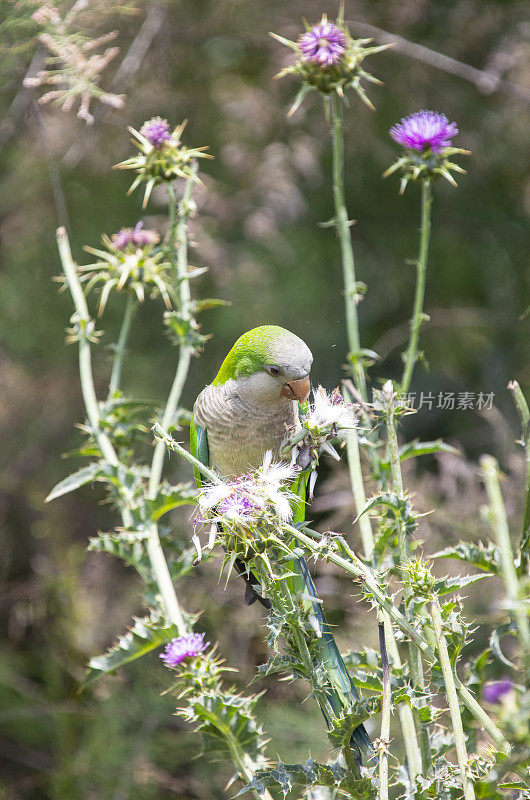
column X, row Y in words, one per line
column 136, row 262
column 427, row 139
column 329, row 60
column 161, row 157
column 74, row 71
column 130, row 261
column 464, row 734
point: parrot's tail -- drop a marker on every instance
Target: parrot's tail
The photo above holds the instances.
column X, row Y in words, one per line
column 342, row 693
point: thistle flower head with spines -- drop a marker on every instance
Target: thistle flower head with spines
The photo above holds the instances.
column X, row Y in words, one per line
column 329, row 60
column 323, row 44
column 130, row 261
column 427, row 138
column 131, row 238
column 156, row 131
column 322, row 421
column 161, row 156
column 258, row 494
column 248, row 510
column 188, row 646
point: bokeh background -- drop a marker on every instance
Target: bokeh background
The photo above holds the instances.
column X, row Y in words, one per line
column 213, row 62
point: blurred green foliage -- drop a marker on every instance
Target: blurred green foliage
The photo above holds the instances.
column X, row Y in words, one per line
column 257, row 230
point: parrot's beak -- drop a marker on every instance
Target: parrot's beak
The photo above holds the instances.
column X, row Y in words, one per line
column 297, row 390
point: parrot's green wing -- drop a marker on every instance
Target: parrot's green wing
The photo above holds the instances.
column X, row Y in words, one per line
column 199, row 449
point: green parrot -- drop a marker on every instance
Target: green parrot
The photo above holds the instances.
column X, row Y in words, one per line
column 241, row 415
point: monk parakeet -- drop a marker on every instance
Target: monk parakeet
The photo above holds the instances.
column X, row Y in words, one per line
column 241, row 415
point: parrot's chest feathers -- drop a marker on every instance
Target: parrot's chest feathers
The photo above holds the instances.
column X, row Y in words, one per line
column 240, row 433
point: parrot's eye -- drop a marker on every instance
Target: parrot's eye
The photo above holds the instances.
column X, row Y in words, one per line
column 274, row 370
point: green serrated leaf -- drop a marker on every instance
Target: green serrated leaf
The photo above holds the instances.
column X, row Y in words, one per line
column 209, row 302
column 482, row 556
column 83, row 476
column 170, row 497
column 341, row 728
column 507, row 629
column 145, row 636
column 332, row 775
column 225, row 720
column 447, row 585
column 417, row 448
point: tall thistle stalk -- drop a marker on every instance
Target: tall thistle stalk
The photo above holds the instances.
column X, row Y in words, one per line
column 356, row 360
column 499, row 525
column 524, row 416
column 343, row 225
column 418, row 316
column 426, row 138
column 416, row 667
column 452, row 699
column 84, row 327
column 121, row 347
column 178, row 229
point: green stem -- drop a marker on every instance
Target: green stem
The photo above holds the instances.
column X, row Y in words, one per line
column 416, row 666
column 115, row 377
column 158, row 562
column 499, row 524
column 385, row 717
column 85, row 359
column 178, row 232
column 179, row 380
column 162, row 436
column 524, row 414
column 342, row 224
column 395, row 468
column 239, row 757
column 406, row 717
column 418, row 316
column 359, row 495
column 452, row 698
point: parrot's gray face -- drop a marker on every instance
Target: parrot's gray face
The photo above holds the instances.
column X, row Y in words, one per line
column 285, row 377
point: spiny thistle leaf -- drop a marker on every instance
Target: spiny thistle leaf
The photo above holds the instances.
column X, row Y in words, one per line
column 508, row 629
column 332, row 775
column 482, row 556
column 83, row 476
column 341, row 728
column 283, row 664
column 145, row 635
column 417, row 448
column 170, row 497
column 450, row 584
column 226, row 721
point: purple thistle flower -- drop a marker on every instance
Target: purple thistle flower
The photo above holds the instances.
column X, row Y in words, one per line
column 127, row 237
column 140, row 237
column 324, row 44
column 237, row 504
column 494, row 691
column 188, row 646
column 122, row 239
column 156, row 131
column 424, row 130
